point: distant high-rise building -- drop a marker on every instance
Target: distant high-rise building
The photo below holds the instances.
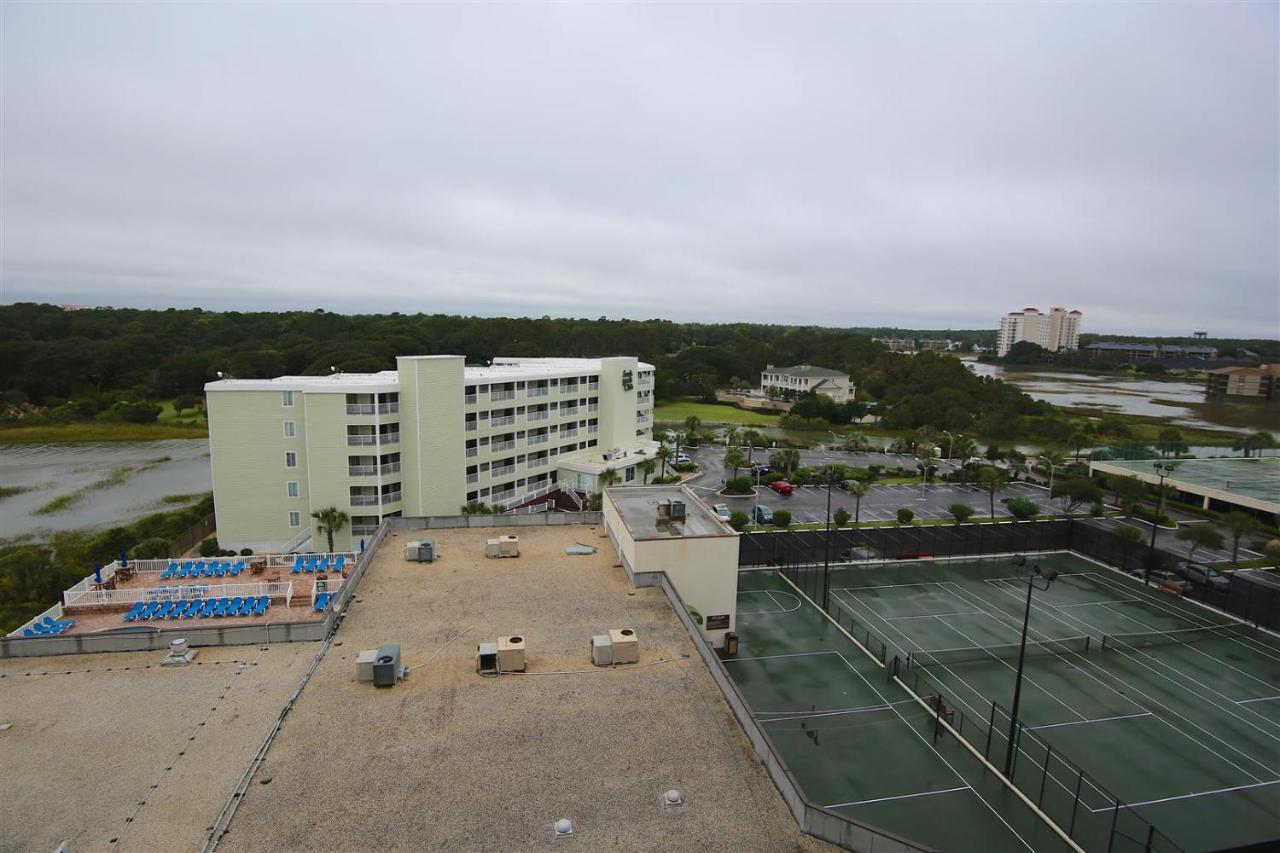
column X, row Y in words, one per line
column 1055, row 331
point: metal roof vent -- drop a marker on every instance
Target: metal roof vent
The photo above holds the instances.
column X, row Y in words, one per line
column 563, row 828
column 671, row 799
column 179, row 654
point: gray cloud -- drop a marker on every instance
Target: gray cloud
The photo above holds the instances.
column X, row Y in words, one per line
column 915, row 165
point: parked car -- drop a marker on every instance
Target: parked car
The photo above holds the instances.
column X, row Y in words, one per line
column 782, row 487
column 722, row 511
column 853, row 555
column 1202, row 575
column 682, row 459
column 762, row 514
column 758, row 470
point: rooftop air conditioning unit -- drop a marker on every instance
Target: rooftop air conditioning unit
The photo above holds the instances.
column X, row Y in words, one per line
column 364, row 664
column 423, row 551
column 676, row 510
column 601, row 650
column 386, row 667
column 626, row 645
column 608, row 455
column 487, row 658
column 503, row 546
column 511, row 654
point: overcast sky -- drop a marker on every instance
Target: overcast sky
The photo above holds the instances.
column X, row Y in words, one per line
column 912, row 165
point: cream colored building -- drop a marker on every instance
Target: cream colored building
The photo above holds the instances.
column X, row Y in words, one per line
column 420, row 440
column 805, row 378
column 1055, row 331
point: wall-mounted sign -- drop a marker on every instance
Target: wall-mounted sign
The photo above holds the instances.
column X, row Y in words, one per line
column 718, row 623
column 627, row 384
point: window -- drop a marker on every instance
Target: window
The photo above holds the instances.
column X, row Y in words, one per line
column 286, row 398
column 293, row 488
column 291, row 459
column 290, row 429
column 630, row 474
column 295, row 518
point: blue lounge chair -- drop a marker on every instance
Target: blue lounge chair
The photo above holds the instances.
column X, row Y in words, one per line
column 219, row 570
column 224, row 605
column 169, row 572
column 173, row 564
column 246, row 606
column 159, row 608
column 233, row 609
column 179, row 608
column 180, row 573
column 135, row 611
column 192, row 605
column 29, row 632
column 218, row 605
column 297, row 563
column 264, row 601
column 322, row 601
column 207, row 609
column 340, row 562
column 149, row 610
column 312, row 562
column 165, row 609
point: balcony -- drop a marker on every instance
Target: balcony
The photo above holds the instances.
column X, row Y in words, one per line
column 505, row 420
column 593, row 429
column 566, row 411
column 361, row 470
column 361, row 408
column 502, row 445
column 593, row 407
column 538, row 463
column 391, row 498
column 499, row 396
column 568, row 389
column 537, row 392
column 390, row 468
column 502, row 471
column 389, row 408
column 469, row 400
column 472, row 452
column 537, row 416
column 499, row 497
column 473, row 478
column 472, row 426
column 569, row 433
column 646, row 379
column 389, row 438
column 537, row 439
column 593, row 386
column 364, row 500
column 361, row 440
column 363, row 529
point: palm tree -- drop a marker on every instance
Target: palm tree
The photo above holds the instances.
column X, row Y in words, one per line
column 1239, row 525
column 663, row 454
column 991, row 480
column 1051, row 460
column 730, row 436
column 787, row 458
column 330, row 520
column 691, row 426
column 734, row 459
column 858, row 489
column 749, row 438
column 1128, row 537
column 647, row 467
column 1078, row 440
column 609, row 477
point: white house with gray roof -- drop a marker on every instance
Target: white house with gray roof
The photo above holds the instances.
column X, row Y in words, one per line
column 804, row 378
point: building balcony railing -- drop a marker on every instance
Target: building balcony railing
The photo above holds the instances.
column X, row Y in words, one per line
column 473, row 478
column 538, row 463
column 389, row 408
column 593, row 407
column 361, row 408
column 536, row 439
column 390, row 468
column 469, row 399
column 593, row 386
column 645, row 380
column 389, row 438
column 364, row 500
column 361, row 440
column 569, row 433
column 505, row 420
column 472, row 452
column 566, row 411
column 361, row 470
column 363, row 529
column 472, row 426
column 502, row 471
column 568, row 389
column 593, row 429
column 537, row 416
column 502, row 445
column 537, row 392
column 498, row 396
column 391, row 498
column 499, row 497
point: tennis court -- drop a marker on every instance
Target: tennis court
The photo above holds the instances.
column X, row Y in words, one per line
column 1257, row 477
column 856, row 742
column 1136, row 706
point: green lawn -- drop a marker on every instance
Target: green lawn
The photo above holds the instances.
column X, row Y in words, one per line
column 187, row 417
column 678, row 410
column 98, row 431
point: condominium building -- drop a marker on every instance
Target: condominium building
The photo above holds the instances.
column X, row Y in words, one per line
column 803, row 379
column 420, row 440
column 1259, row 383
column 1055, row 331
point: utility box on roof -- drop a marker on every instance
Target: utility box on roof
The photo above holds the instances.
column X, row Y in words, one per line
column 487, row 658
column 511, row 654
column 602, row 650
column 503, row 546
column 626, row 646
column 423, row 551
column 364, row 664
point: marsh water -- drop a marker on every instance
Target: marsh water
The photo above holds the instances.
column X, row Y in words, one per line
column 97, row 484
column 1180, row 403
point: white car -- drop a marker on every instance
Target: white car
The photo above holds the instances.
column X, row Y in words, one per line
column 682, row 459
column 722, row 510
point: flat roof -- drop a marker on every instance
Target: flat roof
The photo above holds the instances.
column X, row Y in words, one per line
column 638, row 507
column 452, row 760
column 1257, row 478
column 591, row 460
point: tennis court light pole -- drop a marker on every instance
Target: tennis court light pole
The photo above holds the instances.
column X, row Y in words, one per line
column 1049, row 577
column 1162, row 469
column 826, row 547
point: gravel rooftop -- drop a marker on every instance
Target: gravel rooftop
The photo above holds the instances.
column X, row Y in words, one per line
column 451, row 760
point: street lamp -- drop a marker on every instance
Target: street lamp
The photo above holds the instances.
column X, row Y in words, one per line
column 1162, row 469
column 1049, row 576
column 830, row 476
column 1047, row 461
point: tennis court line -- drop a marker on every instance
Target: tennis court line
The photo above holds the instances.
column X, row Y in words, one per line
column 1095, row 720
column 899, row 797
column 806, row 715
column 1191, row 796
column 1259, row 699
column 1095, row 603
column 928, row 615
column 791, row 655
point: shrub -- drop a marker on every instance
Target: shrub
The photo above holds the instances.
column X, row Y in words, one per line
column 246, row 552
column 209, row 547
column 782, row 518
column 1097, row 510
column 1023, row 508
column 136, row 413
column 682, row 466
column 905, row 515
column 186, row 401
column 739, row 486
column 662, row 481
column 841, row 516
column 961, row 512
column 151, row 549
column 739, row 521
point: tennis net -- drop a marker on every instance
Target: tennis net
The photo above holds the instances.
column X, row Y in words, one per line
column 1144, row 639
column 1066, row 645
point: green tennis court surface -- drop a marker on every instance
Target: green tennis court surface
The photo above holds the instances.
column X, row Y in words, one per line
column 1257, row 477
column 855, row 741
column 1179, row 723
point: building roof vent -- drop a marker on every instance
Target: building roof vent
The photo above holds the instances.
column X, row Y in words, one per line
column 563, row 828
column 672, row 798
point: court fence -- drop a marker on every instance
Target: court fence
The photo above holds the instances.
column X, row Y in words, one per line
column 1095, row 818
column 1253, row 602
